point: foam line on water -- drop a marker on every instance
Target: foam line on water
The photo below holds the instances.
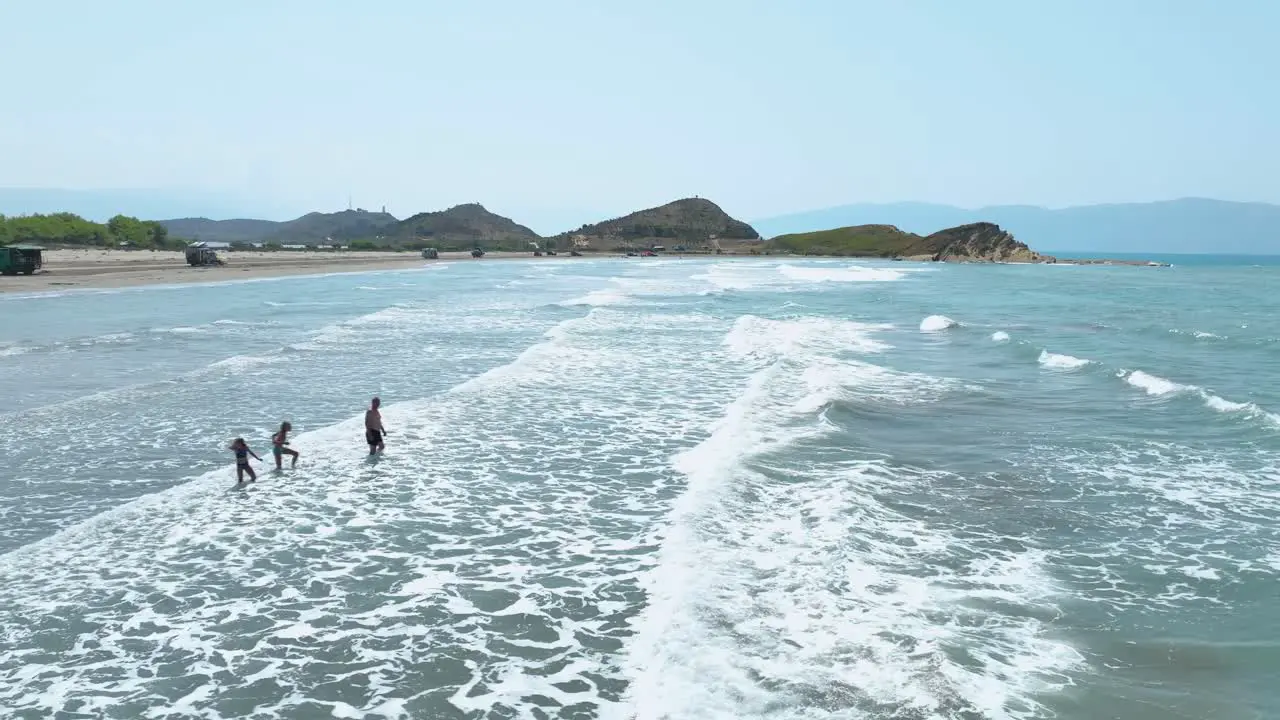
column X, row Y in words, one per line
column 1158, row 387
column 218, row 328
column 1177, row 529
column 937, row 323
column 743, row 616
column 755, row 337
column 853, row 273
column 1056, row 361
column 318, row 576
column 606, row 296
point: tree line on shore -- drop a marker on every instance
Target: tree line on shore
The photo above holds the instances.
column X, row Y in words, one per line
column 71, row 229
column 124, row 231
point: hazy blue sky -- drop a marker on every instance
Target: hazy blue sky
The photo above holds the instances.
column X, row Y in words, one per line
column 557, row 112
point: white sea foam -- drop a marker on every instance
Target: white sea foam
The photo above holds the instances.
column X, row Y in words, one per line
column 736, row 276
column 756, row 337
column 597, row 298
column 827, row 380
column 15, row 350
column 760, row 598
column 487, row 533
column 180, row 330
column 1152, row 384
column 224, row 325
column 1156, row 386
column 999, row 336
column 242, row 362
column 937, row 323
column 854, row 273
column 1199, row 334
column 1163, row 510
column 119, row 338
column 1056, row 361
column 1222, row 405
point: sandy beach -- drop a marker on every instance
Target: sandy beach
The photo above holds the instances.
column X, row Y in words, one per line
column 97, row 268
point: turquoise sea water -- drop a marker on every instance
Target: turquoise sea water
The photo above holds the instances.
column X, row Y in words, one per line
column 649, row 489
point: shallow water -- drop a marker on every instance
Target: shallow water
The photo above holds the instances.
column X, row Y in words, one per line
column 649, row 489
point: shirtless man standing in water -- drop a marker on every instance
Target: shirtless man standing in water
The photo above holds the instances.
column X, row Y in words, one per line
column 373, row 430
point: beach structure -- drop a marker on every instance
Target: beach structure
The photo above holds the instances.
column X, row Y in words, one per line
column 200, row 254
column 21, row 259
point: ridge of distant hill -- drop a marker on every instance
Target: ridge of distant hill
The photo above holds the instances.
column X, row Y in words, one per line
column 974, row 242
column 462, row 227
column 309, row 229
column 1187, row 225
column 317, row 227
column 696, row 222
column 458, row 227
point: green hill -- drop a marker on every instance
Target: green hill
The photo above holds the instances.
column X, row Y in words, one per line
column 694, row 222
column 973, row 242
column 317, row 227
column 462, row 227
column 310, row 229
column 239, row 230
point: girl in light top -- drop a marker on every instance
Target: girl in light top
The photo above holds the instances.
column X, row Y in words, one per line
column 279, row 441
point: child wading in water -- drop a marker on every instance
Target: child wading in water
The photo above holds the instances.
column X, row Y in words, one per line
column 243, row 452
column 278, row 443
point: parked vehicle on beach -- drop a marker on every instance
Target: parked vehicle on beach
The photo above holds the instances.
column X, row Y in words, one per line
column 201, row 255
column 430, row 254
column 21, row 259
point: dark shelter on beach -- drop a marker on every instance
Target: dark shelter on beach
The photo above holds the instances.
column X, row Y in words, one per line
column 21, row 259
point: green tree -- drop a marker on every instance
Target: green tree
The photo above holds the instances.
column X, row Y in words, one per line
column 124, row 229
column 159, row 233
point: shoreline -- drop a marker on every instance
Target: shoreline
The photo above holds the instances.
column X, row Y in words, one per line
column 98, row 269
column 108, row 269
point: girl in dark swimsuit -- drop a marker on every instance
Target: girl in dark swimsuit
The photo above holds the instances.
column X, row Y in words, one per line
column 242, row 451
column 278, row 443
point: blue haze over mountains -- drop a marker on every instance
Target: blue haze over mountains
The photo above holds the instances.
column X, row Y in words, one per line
column 1187, row 225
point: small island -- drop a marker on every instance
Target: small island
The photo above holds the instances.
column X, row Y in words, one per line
column 975, row 242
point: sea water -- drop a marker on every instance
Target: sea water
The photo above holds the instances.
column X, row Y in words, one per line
column 671, row 488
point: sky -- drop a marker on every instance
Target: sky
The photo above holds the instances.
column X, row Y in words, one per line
column 561, row 112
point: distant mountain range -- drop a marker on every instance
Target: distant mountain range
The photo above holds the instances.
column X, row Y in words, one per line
column 693, row 221
column 309, row 229
column 1189, row 225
